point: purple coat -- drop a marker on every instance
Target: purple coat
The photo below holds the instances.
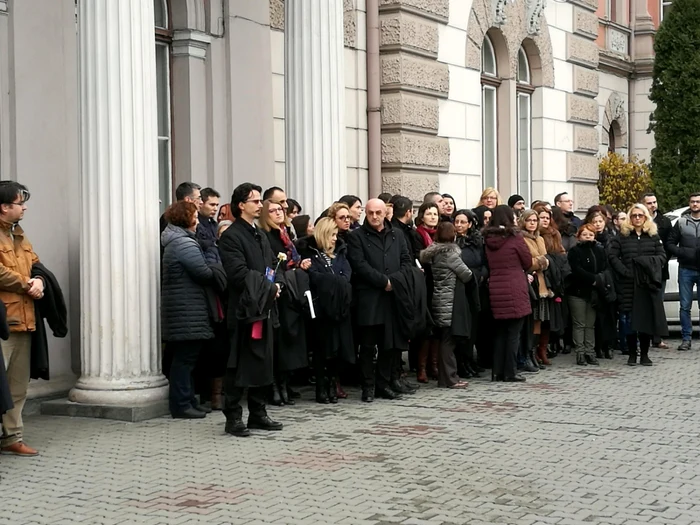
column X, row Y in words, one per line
column 509, row 258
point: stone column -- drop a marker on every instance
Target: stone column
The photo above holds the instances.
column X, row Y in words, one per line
column 119, row 248
column 315, row 103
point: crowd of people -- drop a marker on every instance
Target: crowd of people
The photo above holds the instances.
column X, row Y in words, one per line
column 256, row 294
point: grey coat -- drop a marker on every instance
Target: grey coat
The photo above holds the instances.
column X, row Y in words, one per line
column 445, row 260
column 184, row 311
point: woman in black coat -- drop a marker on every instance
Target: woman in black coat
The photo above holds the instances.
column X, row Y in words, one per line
column 290, row 338
column 186, row 319
column 331, row 334
column 471, row 242
column 637, row 256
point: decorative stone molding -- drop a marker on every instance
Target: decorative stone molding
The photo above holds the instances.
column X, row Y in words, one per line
column 277, row 14
column 585, row 139
column 438, row 10
column 586, row 81
column 349, row 20
column 413, row 185
column 399, row 30
column 617, row 41
column 581, row 167
column 582, row 110
column 516, row 32
column 499, row 12
column 615, row 111
column 581, row 51
column 535, row 10
column 417, row 151
column 190, row 43
column 590, row 5
column 403, row 111
column 415, row 73
column 585, row 23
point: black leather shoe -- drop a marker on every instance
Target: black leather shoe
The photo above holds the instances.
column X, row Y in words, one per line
column 598, row 353
column 529, row 367
column 189, row 413
column 632, row 359
column 276, row 396
column 566, row 350
column 405, row 382
column 592, row 360
column 264, row 423
column 368, row 395
column 517, row 378
column 203, row 408
column 284, row 394
column 645, row 361
column 581, row 359
column 293, row 394
column 399, row 388
column 236, row 427
column 607, row 353
column 684, row 346
column 386, row 393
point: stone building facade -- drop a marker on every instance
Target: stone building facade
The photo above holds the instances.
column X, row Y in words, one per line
column 322, row 97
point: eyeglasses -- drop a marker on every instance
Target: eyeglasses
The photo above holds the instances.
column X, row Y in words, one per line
column 254, row 201
column 343, row 217
column 531, row 220
column 637, row 216
column 276, row 210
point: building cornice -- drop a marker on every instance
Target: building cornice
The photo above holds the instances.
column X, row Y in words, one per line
column 188, row 42
column 612, row 62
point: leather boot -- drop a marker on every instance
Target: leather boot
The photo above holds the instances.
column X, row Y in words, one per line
column 284, row 391
column 339, row 392
column 422, row 376
column 542, row 354
column 533, row 358
column 644, row 358
column 331, row 388
column 321, row 389
column 217, row 401
column 581, row 359
column 276, row 396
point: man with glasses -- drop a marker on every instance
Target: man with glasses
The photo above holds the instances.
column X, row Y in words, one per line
column 565, row 203
column 19, row 292
column 684, row 244
column 253, row 287
column 188, row 192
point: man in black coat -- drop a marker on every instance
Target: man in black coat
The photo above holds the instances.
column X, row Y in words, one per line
column 377, row 251
column 664, row 226
column 206, row 233
column 248, row 260
column 403, row 221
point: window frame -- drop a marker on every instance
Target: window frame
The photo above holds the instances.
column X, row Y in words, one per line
column 164, row 39
column 662, row 5
column 524, row 91
column 490, row 82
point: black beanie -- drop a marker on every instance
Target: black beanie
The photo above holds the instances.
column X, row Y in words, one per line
column 514, row 199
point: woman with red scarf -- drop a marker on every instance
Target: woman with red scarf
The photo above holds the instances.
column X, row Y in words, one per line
column 290, row 348
column 426, row 225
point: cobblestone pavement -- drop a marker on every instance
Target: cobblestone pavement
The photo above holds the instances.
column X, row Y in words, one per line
column 613, row 444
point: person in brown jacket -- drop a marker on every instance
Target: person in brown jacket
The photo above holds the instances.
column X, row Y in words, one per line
column 17, row 291
column 530, row 226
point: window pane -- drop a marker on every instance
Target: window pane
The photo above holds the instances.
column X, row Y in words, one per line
column 524, row 148
column 162, row 87
column 161, row 14
column 523, row 67
column 165, row 185
column 489, row 129
column 488, row 58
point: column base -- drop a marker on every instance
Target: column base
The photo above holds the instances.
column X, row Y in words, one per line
column 133, row 413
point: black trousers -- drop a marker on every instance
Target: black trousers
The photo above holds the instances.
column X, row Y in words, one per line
column 387, row 359
column 184, row 357
column 506, row 342
column 234, row 395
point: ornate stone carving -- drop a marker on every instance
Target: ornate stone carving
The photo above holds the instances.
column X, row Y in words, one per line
column 499, row 12
column 617, row 41
column 535, row 9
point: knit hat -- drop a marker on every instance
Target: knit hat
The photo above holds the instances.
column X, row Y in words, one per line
column 514, row 199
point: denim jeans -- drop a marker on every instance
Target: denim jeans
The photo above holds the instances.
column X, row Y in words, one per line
column 687, row 280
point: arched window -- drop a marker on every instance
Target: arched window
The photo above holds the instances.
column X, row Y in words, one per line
column 489, row 114
column 163, row 40
column 524, row 117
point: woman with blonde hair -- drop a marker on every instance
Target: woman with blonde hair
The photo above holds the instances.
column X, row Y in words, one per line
column 530, row 225
column 490, row 198
column 331, row 336
column 637, row 257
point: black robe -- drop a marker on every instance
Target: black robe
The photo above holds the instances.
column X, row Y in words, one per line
column 51, row 308
column 246, row 255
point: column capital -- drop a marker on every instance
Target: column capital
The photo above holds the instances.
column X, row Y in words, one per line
column 191, row 43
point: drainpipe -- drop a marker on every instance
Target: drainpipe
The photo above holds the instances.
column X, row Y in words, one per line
column 631, row 83
column 374, row 123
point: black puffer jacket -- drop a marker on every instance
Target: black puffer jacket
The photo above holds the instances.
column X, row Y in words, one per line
column 587, row 259
column 447, row 266
column 623, row 250
column 184, row 310
column 474, row 255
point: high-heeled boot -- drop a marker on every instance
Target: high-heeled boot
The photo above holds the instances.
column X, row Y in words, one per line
column 284, row 391
column 332, row 392
column 217, row 385
column 276, row 396
column 422, row 376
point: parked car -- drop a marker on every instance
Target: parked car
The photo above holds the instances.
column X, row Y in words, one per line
column 672, row 303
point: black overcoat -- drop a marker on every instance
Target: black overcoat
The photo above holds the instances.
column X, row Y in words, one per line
column 374, row 256
column 51, row 308
column 624, row 249
column 246, row 253
column 331, row 331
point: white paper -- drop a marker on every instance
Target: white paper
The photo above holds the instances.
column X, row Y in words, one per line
column 311, row 304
